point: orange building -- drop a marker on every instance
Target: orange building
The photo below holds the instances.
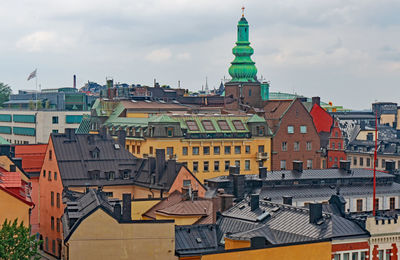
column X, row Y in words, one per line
column 32, row 156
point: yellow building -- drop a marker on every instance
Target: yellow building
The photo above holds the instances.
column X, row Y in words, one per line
column 95, row 229
column 208, row 145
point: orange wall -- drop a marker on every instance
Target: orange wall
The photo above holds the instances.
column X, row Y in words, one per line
column 184, row 174
column 46, row 210
column 233, row 244
column 35, row 211
column 312, row 251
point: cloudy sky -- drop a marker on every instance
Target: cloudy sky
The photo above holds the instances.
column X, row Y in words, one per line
column 346, row 51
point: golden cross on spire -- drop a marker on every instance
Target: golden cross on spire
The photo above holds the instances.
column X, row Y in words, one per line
column 242, row 11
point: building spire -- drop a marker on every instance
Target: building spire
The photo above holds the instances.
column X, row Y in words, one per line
column 243, row 11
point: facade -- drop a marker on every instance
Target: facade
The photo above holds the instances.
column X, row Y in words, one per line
column 206, row 144
column 34, row 127
column 94, row 228
column 295, row 137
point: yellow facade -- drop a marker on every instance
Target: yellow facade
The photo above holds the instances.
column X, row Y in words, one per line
column 140, row 147
column 137, row 115
column 234, row 244
column 387, row 119
column 99, row 236
column 12, row 208
column 179, row 220
column 311, row 251
column 362, row 135
column 140, row 207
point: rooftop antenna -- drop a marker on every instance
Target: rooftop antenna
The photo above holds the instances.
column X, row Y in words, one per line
column 179, row 84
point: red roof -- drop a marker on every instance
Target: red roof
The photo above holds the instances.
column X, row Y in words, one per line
column 322, row 120
column 32, row 156
column 12, row 183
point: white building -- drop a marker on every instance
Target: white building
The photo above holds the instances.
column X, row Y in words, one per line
column 32, row 127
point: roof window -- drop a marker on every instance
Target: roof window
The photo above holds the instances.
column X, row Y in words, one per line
column 192, row 125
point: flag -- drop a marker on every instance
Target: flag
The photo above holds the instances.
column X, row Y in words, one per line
column 32, row 75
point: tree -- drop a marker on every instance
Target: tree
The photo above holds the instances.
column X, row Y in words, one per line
column 31, row 105
column 5, row 92
column 16, row 242
column 39, row 104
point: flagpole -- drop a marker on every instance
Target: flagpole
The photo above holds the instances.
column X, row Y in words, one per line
column 36, row 91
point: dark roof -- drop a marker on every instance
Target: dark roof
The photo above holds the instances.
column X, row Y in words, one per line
column 195, row 239
column 76, row 162
column 286, row 224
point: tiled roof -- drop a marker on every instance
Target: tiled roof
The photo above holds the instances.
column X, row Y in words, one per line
column 153, row 105
column 84, row 126
column 172, row 199
column 32, row 156
column 274, row 111
column 195, row 239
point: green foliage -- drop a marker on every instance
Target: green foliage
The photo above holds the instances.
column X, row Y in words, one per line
column 39, row 104
column 16, row 242
column 31, row 105
column 5, row 92
column 47, row 104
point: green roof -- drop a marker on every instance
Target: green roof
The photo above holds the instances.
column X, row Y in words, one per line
column 84, row 126
column 162, row 119
column 4, row 141
column 256, row 119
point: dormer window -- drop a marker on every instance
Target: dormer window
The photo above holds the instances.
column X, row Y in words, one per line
column 94, row 175
column 95, row 153
column 110, row 176
column 170, row 131
column 126, row 174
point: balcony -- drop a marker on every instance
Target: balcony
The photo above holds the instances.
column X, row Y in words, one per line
column 262, row 156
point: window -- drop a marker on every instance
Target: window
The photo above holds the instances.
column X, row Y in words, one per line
column 380, row 254
column 355, row 161
column 44, row 173
column 52, row 198
column 223, row 125
column 206, row 150
column 339, row 146
column 296, row 146
column 170, row 151
column 58, row 200
column 227, row 150
column 237, row 163
column 195, row 150
column 238, row 125
column 47, row 243
column 216, row 149
column 185, row 150
column 238, row 149
column 133, row 148
column 54, row 131
column 361, row 161
column 216, row 166
column 377, row 204
column 336, row 133
column 260, row 130
column 283, row 165
column 126, row 175
column 359, row 205
column 354, row 256
column 192, row 125
column 303, row 129
column 151, row 150
column 138, row 149
column 363, row 255
column 49, row 176
column 392, row 203
column 50, row 155
column 170, row 131
column 247, row 149
column 346, row 256
column 55, row 120
column 261, row 148
column 205, row 166
column 368, row 162
column 110, row 176
column 53, row 244
column 208, row 125
column 284, row 146
column 247, row 165
column 308, row 146
column 249, row 89
column 309, row 164
column 227, row 163
column 388, row 254
column 336, row 257
column 195, row 166
column 383, row 163
column 333, row 146
column 52, row 223
column 58, row 225
column 290, row 129
column 55, row 176
column 186, row 183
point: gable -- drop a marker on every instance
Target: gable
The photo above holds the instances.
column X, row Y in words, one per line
column 185, row 174
column 322, row 120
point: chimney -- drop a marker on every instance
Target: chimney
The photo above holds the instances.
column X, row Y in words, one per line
column 226, row 201
column 117, row 211
column 370, row 137
column 70, row 133
column 126, row 207
column 258, row 242
column 316, row 100
column 160, row 163
column 287, row 200
column 234, row 170
column 75, row 81
column 298, row 166
column 254, row 201
column 185, row 193
column 195, row 194
column 262, row 172
column 13, row 168
column 344, row 165
column 339, row 202
column 238, row 185
column 315, row 212
column 121, row 137
column 390, row 166
column 362, row 125
column 17, row 162
column 103, row 132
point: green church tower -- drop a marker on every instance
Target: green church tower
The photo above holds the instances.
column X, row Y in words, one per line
column 243, row 68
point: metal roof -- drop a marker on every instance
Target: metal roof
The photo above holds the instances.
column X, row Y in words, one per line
column 195, row 239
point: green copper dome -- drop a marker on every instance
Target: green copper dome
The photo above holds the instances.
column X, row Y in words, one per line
column 243, row 68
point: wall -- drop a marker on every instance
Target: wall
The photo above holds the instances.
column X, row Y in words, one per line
column 34, row 218
column 312, row 251
column 12, row 208
column 179, row 220
column 379, row 166
column 184, row 174
column 139, row 207
column 99, row 236
column 234, row 244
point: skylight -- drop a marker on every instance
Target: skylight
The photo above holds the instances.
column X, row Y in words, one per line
column 223, row 125
column 238, row 125
column 192, row 125
column 208, row 125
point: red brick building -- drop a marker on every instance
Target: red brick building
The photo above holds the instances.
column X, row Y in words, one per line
column 295, row 137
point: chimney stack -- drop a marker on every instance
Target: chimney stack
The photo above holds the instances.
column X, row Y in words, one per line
column 17, row 162
column 160, row 163
column 126, row 207
column 121, row 137
column 258, row 242
column 234, row 170
column 70, row 133
column 13, row 168
column 238, row 185
column 117, row 211
column 226, row 201
column 254, row 201
column 390, row 166
column 75, row 81
column 315, row 212
column 287, row 200
column 344, row 165
column 262, row 172
column 316, row 100
column 298, row 166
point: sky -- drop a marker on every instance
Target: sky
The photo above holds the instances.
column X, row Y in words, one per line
column 345, row 51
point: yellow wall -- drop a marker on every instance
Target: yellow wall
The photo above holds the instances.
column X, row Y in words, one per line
column 233, row 244
column 138, row 115
column 180, row 220
column 387, row 119
column 141, row 207
column 179, row 143
column 12, row 208
column 312, row 251
column 362, row 135
column 99, row 236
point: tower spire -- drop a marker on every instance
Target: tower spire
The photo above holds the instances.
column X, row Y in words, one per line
column 243, row 11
